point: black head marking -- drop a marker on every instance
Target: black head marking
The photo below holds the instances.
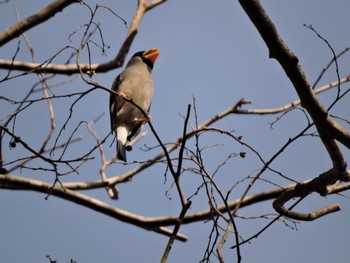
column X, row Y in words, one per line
column 145, row 60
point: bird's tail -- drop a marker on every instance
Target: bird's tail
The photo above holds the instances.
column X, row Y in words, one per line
column 121, row 152
column 122, row 134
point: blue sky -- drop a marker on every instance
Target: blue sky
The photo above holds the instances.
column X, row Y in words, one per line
column 208, row 50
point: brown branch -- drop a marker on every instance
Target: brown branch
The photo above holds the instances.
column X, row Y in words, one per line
column 127, row 176
column 53, row 162
column 42, row 80
column 150, row 5
column 29, row 158
column 294, row 103
column 176, row 175
column 285, row 197
column 318, row 184
column 149, row 223
column 70, row 69
column 34, row 20
column 256, row 235
column 111, row 190
column 175, row 231
column 231, row 222
column 328, row 130
column 21, row 183
column 289, row 62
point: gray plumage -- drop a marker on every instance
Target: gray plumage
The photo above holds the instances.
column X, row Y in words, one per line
column 135, row 83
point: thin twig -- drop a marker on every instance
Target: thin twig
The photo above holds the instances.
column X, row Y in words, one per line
column 175, row 231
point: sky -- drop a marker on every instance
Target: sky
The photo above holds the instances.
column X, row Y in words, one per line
column 210, row 51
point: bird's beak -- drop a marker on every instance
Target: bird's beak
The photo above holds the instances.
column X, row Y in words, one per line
column 151, row 54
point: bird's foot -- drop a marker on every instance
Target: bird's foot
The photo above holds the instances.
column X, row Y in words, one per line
column 123, row 95
column 144, row 120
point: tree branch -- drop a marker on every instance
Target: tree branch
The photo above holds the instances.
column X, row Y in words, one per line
column 328, row 130
column 172, row 238
column 34, row 20
column 127, row 176
column 21, row 183
column 294, row 103
column 150, row 223
column 319, row 185
column 70, row 69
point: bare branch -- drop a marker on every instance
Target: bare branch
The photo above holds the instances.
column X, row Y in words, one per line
column 326, row 126
column 111, row 190
column 335, row 57
column 34, row 20
column 126, row 177
column 294, row 103
column 70, row 69
column 318, row 184
column 192, row 162
column 328, row 130
column 152, row 4
column 175, row 231
column 21, row 183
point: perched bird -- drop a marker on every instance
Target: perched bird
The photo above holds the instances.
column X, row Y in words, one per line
column 134, row 83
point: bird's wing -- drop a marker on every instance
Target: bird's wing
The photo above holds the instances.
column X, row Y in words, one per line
column 135, row 131
column 115, row 102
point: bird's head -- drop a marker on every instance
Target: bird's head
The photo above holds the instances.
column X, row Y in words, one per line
column 148, row 57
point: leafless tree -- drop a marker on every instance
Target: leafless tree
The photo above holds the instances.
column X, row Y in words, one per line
column 53, row 156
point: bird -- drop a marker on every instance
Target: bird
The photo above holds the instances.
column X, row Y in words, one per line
column 134, row 83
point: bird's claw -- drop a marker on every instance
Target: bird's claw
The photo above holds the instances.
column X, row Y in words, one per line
column 144, row 120
column 122, row 95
